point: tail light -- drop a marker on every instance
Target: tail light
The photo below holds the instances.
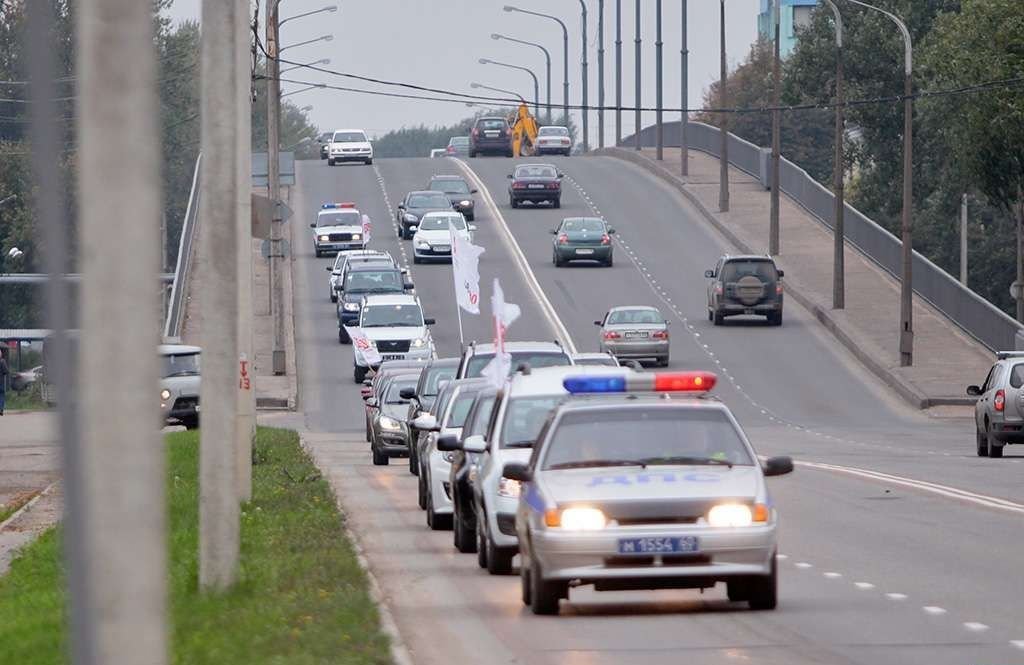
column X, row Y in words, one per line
column 555, row 185
column 563, row 240
column 518, row 185
column 476, row 132
column 611, row 334
column 1000, row 401
column 718, row 288
column 778, row 288
column 659, row 334
column 605, row 239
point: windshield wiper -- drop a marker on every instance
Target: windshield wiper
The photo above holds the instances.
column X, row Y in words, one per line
column 519, row 444
column 184, row 372
column 683, row 459
column 599, row 462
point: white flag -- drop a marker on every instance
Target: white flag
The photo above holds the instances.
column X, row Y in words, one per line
column 504, row 314
column 363, row 346
column 466, row 272
column 366, row 229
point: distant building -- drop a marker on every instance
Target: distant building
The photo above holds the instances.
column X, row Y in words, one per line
column 795, row 14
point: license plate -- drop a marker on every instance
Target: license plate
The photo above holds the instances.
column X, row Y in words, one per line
column 442, row 248
column 584, row 251
column 676, row 545
column 536, row 186
column 636, row 334
column 490, row 134
column 391, row 356
column 748, row 311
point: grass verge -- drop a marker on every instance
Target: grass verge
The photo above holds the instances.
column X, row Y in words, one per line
column 15, row 504
column 301, row 599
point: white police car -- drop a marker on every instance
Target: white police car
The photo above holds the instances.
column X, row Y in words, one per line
column 338, row 227
column 627, row 491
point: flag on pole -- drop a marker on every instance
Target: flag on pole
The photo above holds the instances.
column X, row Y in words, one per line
column 504, row 314
column 366, row 230
column 466, row 272
column 363, row 346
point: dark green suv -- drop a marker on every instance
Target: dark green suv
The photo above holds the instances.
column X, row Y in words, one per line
column 747, row 284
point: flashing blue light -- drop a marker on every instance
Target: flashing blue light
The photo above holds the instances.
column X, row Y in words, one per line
column 594, row 384
column 329, row 206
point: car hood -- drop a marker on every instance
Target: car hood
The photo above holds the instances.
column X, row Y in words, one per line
column 394, row 333
column 357, row 296
column 457, row 198
column 351, row 144
column 396, row 411
column 439, row 237
column 622, row 483
column 346, row 228
column 182, row 386
column 419, row 212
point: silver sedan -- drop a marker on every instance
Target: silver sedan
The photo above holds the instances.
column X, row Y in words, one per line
column 635, row 331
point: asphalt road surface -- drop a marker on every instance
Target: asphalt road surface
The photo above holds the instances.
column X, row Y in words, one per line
column 898, row 544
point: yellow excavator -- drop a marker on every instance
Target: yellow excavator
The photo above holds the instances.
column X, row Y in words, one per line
column 524, row 131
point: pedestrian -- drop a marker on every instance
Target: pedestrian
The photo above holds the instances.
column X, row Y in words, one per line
column 4, row 373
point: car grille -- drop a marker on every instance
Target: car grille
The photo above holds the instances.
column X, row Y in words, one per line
column 340, row 237
column 642, row 513
column 183, row 403
column 666, row 560
column 392, row 345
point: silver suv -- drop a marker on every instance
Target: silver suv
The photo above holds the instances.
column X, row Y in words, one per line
column 999, row 411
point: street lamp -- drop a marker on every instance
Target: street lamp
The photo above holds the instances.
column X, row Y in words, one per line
column 636, row 77
column 838, row 231
column 773, row 215
column 330, row 8
column 536, row 83
column 481, row 86
column 723, row 156
column 547, row 58
column 585, row 111
column 684, row 82
column 658, row 88
column 565, row 53
column 322, row 61
column 311, row 87
column 906, row 280
column 321, row 38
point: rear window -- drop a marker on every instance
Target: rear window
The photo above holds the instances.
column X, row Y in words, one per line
column 442, row 223
column 536, row 172
column 450, row 186
column 553, row 131
column 349, row 137
column 589, row 225
column 735, row 270
column 459, row 140
column 626, row 316
column 432, row 200
column 491, row 123
column 1017, row 376
column 478, row 362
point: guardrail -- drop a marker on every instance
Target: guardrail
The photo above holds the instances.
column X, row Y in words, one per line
column 973, row 314
column 183, row 268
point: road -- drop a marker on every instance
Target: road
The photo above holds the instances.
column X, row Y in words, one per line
column 875, row 571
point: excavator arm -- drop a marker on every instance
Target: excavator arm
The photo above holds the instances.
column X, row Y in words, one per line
column 524, row 131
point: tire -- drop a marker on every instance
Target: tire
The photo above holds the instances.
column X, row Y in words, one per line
column 334, row 297
column 318, row 253
column 557, row 260
column 498, row 562
column 995, row 449
column 544, row 595
column 471, row 217
column 775, row 319
column 481, row 545
column 399, row 230
column 406, row 234
column 330, row 162
column 421, row 491
column 435, row 521
column 472, row 154
column 369, row 435
column 379, row 458
column 369, row 161
column 663, row 361
column 737, row 590
column 343, row 337
column 414, row 467
column 359, row 373
column 981, row 443
column 610, row 262
column 711, row 317
column 416, row 260
column 717, row 319
column 465, row 538
column 557, row 203
column 191, row 423
column 763, row 591
column 524, row 584
column 512, row 202
column 510, row 154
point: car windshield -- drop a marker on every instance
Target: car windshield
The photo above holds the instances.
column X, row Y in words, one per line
column 536, row 172
column 342, row 218
column 628, row 316
column 533, row 359
column 460, row 409
column 450, row 186
column 396, row 387
column 349, row 137
column 733, row 271
column 553, row 131
column 597, row 360
column 645, row 435
column 436, row 375
column 578, row 225
column 493, row 123
column 179, row 364
column 381, row 316
column 432, row 200
column 524, row 416
column 441, row 222
column 481, row 416
column 363, row 281
column 441, row 403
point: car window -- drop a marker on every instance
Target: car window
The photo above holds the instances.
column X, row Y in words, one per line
column 523, row 419
column 441, row 403
column 1017, row 376
column 553, row 131
column 349, row 137
column 492, row 123
column 441, row 223
column 433, row 377
column 432, row 200
column 534, row 359
column 595, row 360
column 459, row 141
column 345, row 218
column 535, row 172
column 460, row 409
column 481, row 416
column 394, row 390
column 377, row 316
column 589, row 225
column 179, row 364
column 362, row 281
column 736, row 270
column 654, row 435
column 627, row 316
column 450, row 186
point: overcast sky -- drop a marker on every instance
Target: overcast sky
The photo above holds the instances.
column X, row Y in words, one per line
column 438, row 43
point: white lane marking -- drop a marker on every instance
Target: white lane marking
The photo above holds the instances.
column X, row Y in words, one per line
column 803, row 564
column 933, row 610
column 923, row 485
column 524, row 266
column 781, row 557
column 975, row 627
column 1017, row 643
column 833, row 576
column 896, row 596
column 864, row 585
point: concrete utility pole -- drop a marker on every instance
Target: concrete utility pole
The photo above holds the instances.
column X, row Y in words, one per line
column 218, row 210
column 723, row 158
column 117, row 481
column 246, row 423
column 1020, row 255
column 618, row 72
column 839, row 231
column 963, row 239
column 684, row 82
column 274, row 187
column 658, row 100
column 586, row 105
column 773, row 225
column 600, row 73
column 637, row 62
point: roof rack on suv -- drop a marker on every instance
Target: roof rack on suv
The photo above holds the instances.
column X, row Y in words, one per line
column 1003, row 355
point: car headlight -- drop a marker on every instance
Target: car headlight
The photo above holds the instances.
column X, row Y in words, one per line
column 390, row 424
column 357, row 236
column 419, row 343
column 730, row 515
column 351, row 307
column 509, row 488
column 410, row 217
column 465, row 203
column 165, row 394
column 422, row 244
column 582, row 519
column 323, row 238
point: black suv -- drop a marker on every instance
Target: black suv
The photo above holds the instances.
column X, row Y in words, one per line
column 458, row 192
column 490, row 135
column 746, row 284
column 362, row 280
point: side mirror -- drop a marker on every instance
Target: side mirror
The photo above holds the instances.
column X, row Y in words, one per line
column 611, row 232
column 974, row 391
column 448, row 443
column 474, row 444
column 367, row 382
column 598, row 323
column 401, row 206
column 312, row 225
column 782, row 273
column 472, row 191
column 408, row 286
column 561, row 175
column 413, row 228
column 554, row 232
column 329, row 268
column 407, row 393
column 517, row 471
column 429, row 322
column 710, row 274
column 472, row 227
column 778, row 466
column 425, row 423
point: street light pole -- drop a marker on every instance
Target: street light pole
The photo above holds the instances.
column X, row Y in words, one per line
column 618, row 72
column 565, row 53
column 636, row 43
column 547, row 64
column 773, row 224
column 838, row 232
column 329, row 8
column 600, row 73
column 501, row 90
column 723, row 157
column 906, row 228
column 684, row 82
column 536, row 83
column 660, row 130
column 586, row 109
column 274, row 187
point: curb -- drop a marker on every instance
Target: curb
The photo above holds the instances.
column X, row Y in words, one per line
column 905, row 389
column 28, row 505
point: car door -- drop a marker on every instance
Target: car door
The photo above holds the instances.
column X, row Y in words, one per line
column 1014, row 387
column 710, row 286
column 600, row 331
column 982, row 405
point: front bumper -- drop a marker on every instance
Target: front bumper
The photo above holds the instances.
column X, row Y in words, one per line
column 349, row 319
column 339, row 246
column 498, row 510
column 423, row 353
column 594, row 555
column 180, row 408
column 588, row 253
column 395, row 444
column 440, row 485
column 356, row 156
column 432, row 253
column 644, row 349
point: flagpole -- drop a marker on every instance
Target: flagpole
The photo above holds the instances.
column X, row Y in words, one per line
column 455, row 290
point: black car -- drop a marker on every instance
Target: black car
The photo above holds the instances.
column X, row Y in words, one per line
column 490, row 135
column 422, row 398
column 388, row 433
column 537, row 183
column 364, row 279
column 458, row 192
column 745, row 284
column 417, row 204
column 325, row 144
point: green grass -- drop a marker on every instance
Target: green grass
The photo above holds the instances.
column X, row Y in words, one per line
column 301, row 599
column 26, row 400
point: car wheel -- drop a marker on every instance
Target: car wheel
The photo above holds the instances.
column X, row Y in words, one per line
column 610, row 262
column 524, row 584
column 471, row 217
column 334, row 297
column 544, row 595
column 416, row 259
column 995, row 449
column 369, row 161
column 981, row 443
column 711, row 317
column 472, row 154
column 764, row 590
column 359, row 373
column 421, row 491
column 343, row 337
column 330, row 162
column 512, row 202
column 663, row 361
column 737, row 590
column 499, row 562
column 481, row 543
column 379, row 458
column 369, row 434
column 414, row 467
column 557, row 203
column 510, row 154
column 434, row 521
column 465, row 537
column 775, row 319
column 556, row 259
column 717, row 319
column 191, row 423
column 318, row 253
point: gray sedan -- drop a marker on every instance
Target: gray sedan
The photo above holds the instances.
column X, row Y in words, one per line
column 635, row 331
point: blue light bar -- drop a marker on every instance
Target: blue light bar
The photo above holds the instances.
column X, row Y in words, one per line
column 329, row 206
column 594, row 384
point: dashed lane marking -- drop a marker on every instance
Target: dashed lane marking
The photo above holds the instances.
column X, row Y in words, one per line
column 933, row 610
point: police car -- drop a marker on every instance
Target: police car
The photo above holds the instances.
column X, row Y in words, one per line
column 629, row 491
column 338, row 227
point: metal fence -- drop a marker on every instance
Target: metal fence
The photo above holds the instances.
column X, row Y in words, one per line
column 179, row 289
column 976, row 316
